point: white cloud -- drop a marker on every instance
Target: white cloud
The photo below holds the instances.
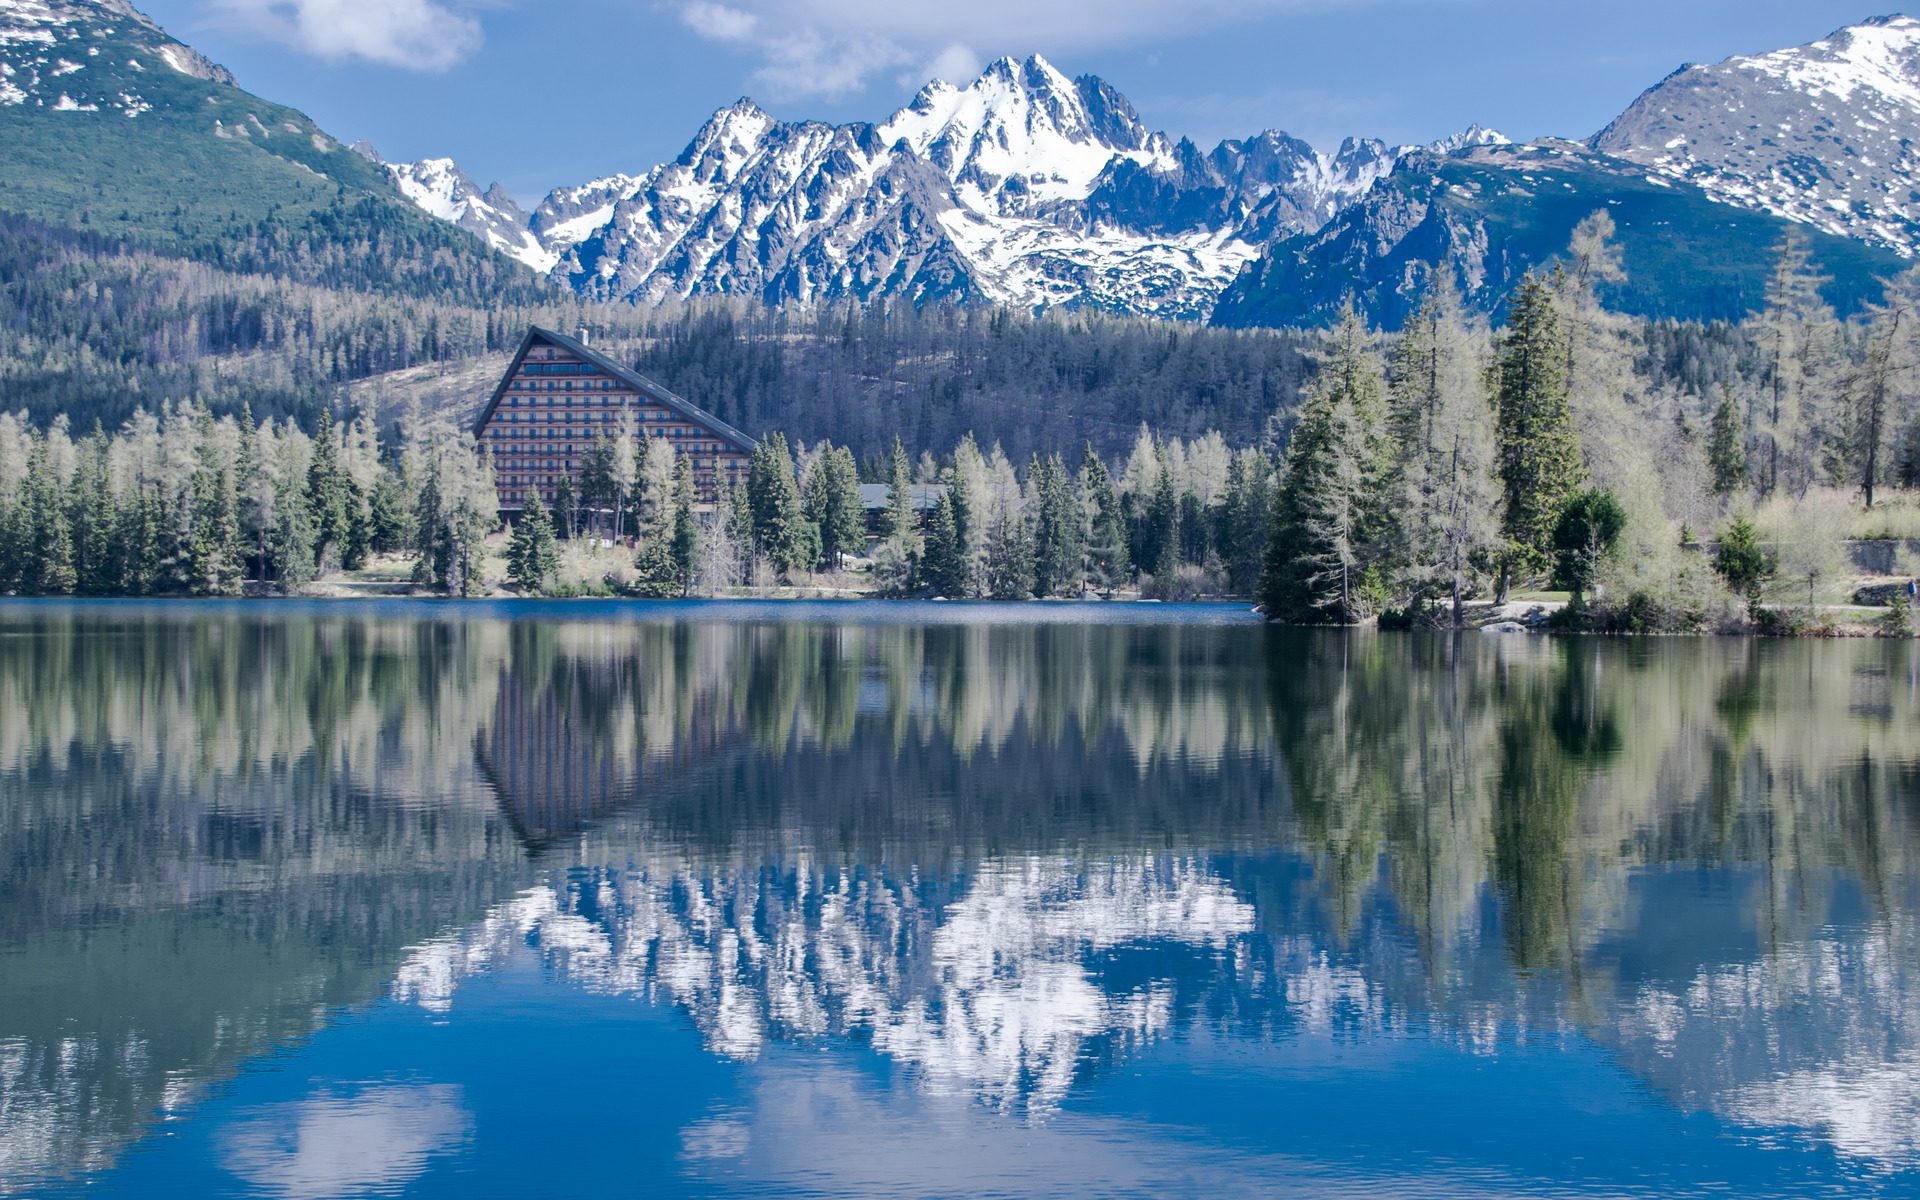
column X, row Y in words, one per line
column 423, row 35
column 719, row 22
column 832, row 47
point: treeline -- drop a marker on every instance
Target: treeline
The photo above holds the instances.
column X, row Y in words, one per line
column 93, row 328
column 183, row 502
column 1456, row 461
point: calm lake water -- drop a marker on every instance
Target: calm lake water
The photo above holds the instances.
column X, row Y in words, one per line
column 306, row 901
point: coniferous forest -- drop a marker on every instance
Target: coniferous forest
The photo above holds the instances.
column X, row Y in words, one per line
column 178, row 428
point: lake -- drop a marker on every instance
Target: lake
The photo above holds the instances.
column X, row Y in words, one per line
column 316, row 900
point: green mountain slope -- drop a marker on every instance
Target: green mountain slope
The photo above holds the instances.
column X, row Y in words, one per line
column 112, row 126
column 1489, row 215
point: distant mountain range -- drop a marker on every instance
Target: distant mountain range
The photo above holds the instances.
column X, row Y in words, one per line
column 1023, row 187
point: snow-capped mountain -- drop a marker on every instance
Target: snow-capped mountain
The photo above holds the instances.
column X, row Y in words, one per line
column 1024, row 187
column 1823, row 133
column 51, row 56
column 440, row 188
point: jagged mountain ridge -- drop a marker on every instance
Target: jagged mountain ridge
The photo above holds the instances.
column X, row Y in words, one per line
column 1704, row 173
column 1024, row 187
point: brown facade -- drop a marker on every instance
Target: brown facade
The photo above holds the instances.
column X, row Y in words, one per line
column 559, row 395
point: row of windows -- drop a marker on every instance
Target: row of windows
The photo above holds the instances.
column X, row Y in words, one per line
column 510, row 432
column 558, row 368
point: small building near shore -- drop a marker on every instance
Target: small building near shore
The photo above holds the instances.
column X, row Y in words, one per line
column 559, row 394
column 877, row 498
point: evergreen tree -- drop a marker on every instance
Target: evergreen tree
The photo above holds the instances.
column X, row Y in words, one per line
column 685, row 542
column 1740, row 559
column 330, row 498
column 903, row 521
column 532, row 557
column 51, row 555
column 833, row 505
column 1009, row 558
column 567, row 504
column 780, row 526
column 1108, row 566
column 1587, row 532
column 1539, row 457
column 1057, row 551
column 1326, row 515
column 1727, row 447
column 1244, row 519
column 944, row 569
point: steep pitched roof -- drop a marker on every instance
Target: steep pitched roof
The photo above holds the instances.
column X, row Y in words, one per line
column 626, row 375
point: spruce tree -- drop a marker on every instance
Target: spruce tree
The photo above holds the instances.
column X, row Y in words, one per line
column 1057, row 551
column 903, row 521
column 1108, row 566
column 329, row 498
column 1009, row 558
column 685, row 541
column 1727, row 447
column 1244, row 519
column 1327, row 514
column 532, row 557
column 1539, row 457
column 944, row 568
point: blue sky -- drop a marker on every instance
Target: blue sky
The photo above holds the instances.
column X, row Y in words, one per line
column 541, row 93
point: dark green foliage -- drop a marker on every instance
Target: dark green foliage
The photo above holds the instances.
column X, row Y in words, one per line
column 832, row 505
column 944, row 568
column 1539, row 458
column 1108, row 564
column 903, row 521
column 1009, row 558
column 532, row 557
column 1057, row 552
column 685, row 538
column 781, row 529
column 1242, row 536
column 1727, row 447
column 1326, row 517
column 1742, row 561
column 1588, row 530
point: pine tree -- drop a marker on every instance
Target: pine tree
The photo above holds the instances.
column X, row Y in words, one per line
column 1727, row 447
column 52, row 535
column 685, row 542
column 567, row 504
column 1539, row 457
column 1244, row 518
column 780, row 527
column 1108, row 566
column 944, row 569
column 1009, row 558
column 532, row 557
column 903, row 522
column 329, row 498
column 1326, row 517
column 832, row 504
column 1058, row 555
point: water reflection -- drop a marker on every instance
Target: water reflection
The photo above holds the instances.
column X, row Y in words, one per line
column 1012, row 859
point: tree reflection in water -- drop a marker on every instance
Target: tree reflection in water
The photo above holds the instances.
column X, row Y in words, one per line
column 1007, row 855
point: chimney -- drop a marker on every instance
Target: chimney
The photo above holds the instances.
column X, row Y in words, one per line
column 584, row 337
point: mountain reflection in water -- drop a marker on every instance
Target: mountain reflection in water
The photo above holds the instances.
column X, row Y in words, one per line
column 1019, row 862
